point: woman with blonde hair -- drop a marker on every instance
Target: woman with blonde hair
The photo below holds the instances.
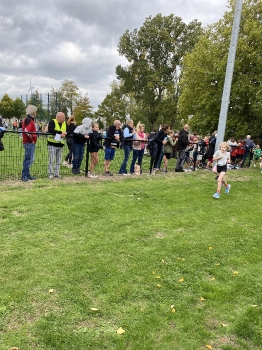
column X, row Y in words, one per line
column 222, row 158
column 71, row 125
column 138, row 149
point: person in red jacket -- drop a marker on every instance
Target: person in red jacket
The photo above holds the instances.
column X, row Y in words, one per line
column 29, row 141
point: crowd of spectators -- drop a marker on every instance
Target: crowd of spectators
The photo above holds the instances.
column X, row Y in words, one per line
column 190, row 150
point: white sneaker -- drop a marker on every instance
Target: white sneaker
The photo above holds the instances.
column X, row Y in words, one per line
column 92, row 176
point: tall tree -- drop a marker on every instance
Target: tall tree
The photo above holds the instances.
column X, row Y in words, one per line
column 204, row 73
column 154, row 53
column 65, row 98
column 36, row 100
column 113, row 106
column 7, row 107
column 18, row 108
column 83, row 108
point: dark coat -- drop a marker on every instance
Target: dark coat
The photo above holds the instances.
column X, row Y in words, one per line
column 182, row 141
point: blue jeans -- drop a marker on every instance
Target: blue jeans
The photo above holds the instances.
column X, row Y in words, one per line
column 28, row 159
column 127, row 149
column 78, row 155
column 137, row 155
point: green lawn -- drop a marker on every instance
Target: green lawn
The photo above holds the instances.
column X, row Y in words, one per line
column 155, row 255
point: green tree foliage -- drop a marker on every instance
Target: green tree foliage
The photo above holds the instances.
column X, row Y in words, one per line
column 204, row 73
column 154, row 53
column 83, row 108
column 36, row 100
column 18, row 108
column 64, row 99
column 119, row 105
column 7, row 107
column 114, row 106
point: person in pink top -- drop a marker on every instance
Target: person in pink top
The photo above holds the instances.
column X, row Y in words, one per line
column 138, row 148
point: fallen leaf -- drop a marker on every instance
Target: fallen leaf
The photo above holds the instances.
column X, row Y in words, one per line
column 173, row 310
column 158, row 277
column 181, row 280
column 120, row 331
column 209, row 346
column 253, row 305
column 94, row 309
column 224, row 325
column 51, row 291
column 213, row 279
column 153, row 272
column 235, row 273
column 202, row 299
column 172, row 306
column 218, row 264
column 158, row 285
column 210, row 248
column 139, row 199
column 163, row 261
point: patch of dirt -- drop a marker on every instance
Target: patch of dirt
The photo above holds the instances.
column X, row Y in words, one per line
column 160, row 235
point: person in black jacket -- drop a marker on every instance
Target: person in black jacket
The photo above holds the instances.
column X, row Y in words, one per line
column 71, row 126
column 182, row 144
column 160, row 140
column 94, row 147
column 112, row 140
column 80, row 136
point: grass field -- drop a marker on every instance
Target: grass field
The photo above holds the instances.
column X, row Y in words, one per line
column 155, row 257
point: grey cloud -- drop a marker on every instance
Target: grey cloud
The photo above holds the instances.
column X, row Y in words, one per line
column 53, row 40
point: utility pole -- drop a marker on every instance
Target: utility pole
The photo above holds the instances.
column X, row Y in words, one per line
column 229, row 74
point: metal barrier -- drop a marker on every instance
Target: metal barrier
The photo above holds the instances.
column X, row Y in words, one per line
column 11, row 159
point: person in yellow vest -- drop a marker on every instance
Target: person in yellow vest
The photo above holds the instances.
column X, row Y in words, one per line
column 55, row 143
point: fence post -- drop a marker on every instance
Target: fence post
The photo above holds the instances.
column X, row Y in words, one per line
column 87, row 158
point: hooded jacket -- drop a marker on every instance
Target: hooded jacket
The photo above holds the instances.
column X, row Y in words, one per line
column 82, row 130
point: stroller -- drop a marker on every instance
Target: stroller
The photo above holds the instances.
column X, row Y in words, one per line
column 201, row 158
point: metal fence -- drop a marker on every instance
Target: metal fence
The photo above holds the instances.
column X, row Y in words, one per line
column 11, row 159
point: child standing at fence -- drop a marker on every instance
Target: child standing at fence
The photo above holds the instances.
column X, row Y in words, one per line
column 222, row 158
column 257, row 155
column 168, row 148
column 94, row 147
column 138, row 149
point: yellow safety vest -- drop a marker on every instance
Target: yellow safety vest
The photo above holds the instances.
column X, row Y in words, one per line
column 51, row 138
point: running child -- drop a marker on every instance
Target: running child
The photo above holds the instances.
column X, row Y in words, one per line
column 222, row 157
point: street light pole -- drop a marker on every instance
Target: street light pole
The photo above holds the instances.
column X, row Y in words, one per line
column 229, row 74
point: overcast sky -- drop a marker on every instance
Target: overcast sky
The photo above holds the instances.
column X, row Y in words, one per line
column 53, row 40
